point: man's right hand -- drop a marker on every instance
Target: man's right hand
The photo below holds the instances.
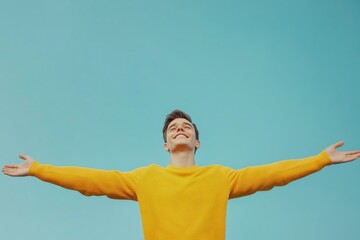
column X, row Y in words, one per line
column 18, row 170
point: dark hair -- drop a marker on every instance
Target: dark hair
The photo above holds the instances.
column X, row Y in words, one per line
column 174, row 115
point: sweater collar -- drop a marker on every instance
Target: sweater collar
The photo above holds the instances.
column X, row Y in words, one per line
column 182, row 168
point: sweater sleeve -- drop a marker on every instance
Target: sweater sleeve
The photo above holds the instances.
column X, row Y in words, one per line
column 249, row 180
column 113, row 184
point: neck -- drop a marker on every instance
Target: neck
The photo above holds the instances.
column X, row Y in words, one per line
column 182, row 159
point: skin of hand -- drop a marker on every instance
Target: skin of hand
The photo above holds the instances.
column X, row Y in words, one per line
column 341, row 157
column 20, row 170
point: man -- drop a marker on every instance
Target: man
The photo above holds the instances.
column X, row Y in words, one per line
column 183, row 200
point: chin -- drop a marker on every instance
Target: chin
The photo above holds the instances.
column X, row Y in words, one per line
column 183, row 147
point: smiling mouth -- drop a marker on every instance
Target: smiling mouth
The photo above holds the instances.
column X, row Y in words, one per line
column 181, row 135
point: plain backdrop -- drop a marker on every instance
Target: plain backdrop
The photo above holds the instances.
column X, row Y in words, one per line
column 89, row 83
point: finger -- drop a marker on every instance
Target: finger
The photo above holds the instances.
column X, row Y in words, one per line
column 353, row 157
column 10, row 171
column 338, row 144
column 22, row 156
column 11, row 166
column 352, row 152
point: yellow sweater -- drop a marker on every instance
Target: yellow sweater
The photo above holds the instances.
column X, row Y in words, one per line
column 180, row 203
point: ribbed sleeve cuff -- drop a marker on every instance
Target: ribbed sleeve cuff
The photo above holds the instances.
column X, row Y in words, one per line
column 33, row 168
column 324, row 158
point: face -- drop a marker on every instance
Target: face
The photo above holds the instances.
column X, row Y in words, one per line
column 181, row 135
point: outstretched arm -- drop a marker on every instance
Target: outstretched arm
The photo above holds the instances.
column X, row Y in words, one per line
column 249, row 180
column 114, row 184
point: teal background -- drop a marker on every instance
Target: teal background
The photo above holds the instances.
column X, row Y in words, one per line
column 89, row 83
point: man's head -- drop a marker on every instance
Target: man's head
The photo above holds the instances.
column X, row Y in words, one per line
column 179, row 130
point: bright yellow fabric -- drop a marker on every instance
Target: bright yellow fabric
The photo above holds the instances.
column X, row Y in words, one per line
column 181, row 203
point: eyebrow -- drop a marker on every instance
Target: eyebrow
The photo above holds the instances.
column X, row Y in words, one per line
column 186, row 123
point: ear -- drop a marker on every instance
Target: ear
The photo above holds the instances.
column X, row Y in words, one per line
column 166, row 147
column 197, row 144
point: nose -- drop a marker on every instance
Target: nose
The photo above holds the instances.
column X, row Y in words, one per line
column 180, row 128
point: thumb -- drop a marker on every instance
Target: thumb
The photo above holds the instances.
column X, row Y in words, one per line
column 338, row 144
column 24, row 157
